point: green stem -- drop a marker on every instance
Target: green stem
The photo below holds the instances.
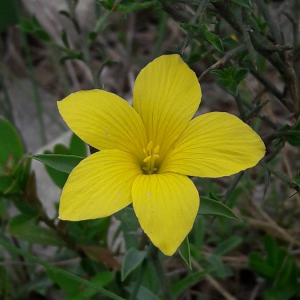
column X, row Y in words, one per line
column 291, row 183
column 142, row 268
column 48, row 266
column 138, row 283
column 161, row 275
column 240, row 106
column 232, row 186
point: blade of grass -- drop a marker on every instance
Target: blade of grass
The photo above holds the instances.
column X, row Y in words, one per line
column 36, row 97
column 70, row 275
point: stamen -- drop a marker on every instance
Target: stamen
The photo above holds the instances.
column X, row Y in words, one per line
column 147, row 158
column 150, row 157
column 150, row 145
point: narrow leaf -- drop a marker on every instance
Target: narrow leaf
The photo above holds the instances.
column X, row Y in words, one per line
column 48, row 266
column 24, row 227
column 185, row 252
column 191, row 279
column 228, row 245
column 143, row 293
column 214, row 39
column 132, row 259
column 213, row 207
column 10, row 143
column 64, row 163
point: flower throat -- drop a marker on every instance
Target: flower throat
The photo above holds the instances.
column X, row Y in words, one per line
column 151, row 155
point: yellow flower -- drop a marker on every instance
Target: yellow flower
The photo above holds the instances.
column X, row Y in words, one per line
column 148, row 150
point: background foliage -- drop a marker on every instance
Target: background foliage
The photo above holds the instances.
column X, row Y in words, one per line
column 245, row 241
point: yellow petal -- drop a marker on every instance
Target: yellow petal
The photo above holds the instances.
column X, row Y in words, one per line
column 99, row 186
column 166, row 206
column 104, row 120
column 166, row 95
column 214, row 145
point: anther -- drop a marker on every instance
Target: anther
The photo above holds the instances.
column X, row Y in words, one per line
column 147, row 158
column 150, row 145
column 150, row 156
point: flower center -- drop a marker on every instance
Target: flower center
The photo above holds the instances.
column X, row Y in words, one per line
column 151, row 155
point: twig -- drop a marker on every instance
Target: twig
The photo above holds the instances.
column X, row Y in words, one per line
column 231, row 54
column 262, row 45
column 279, row 229
column 263, row 8
column 291, row 183
column 257, row 288
column 213, row 282
column 266, row 226
column 232, row 186
column 199, row 12
column 256, row 110
column 272, row 89
column 280, row 134
column 245, row 32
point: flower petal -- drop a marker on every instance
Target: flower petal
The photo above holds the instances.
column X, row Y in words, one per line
column 166, row 206
column 214, row 145
column 99, row 186
column 166, row 95
column 104, row 120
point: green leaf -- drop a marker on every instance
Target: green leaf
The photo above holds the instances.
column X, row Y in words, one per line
column 143, row 293
column 43, row 35
column 232, row 88
column 129, row 6
column 212, row 207
column 48, row 266
column 26, row 26
column 219, row 269
column 295, row 140
column 101, row 280
column 185, row 253
column 68, row 285
column 244, row 3
column 5, row 183
column 64, row 38
column 24, row 227
column 189, row 280
column 9, row 13
column 129, row 224
column 11, row 144
column 77, row 146
column 240, row 75
column 219, row 73
column 59, row 178
column 279, row 293
column 132, row 259
column 213, row 39
column 65, row 13
column 198, row 232
column 63, row 163
column 228, row 245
